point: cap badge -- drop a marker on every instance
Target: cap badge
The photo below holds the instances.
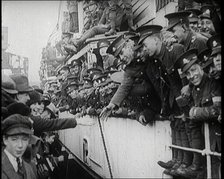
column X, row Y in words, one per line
column 205, row 58
column 207, row 12
column 191, row 15
column 185, row 61
column 214, row 43
column 114, row 49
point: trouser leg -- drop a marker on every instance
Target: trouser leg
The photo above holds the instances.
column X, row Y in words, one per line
column 112, row 17
column 129, row 13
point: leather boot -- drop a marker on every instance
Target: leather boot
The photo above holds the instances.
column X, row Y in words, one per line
column 190, row 172
column 168, row 164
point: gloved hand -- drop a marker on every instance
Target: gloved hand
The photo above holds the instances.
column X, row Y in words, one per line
column 107, row 111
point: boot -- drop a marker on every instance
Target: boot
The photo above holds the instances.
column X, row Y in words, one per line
column 190, row 172
column 168, row 164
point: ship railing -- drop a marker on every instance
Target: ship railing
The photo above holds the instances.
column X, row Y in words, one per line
column 206, row 151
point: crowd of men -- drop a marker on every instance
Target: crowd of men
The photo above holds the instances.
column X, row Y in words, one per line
column 149, row 73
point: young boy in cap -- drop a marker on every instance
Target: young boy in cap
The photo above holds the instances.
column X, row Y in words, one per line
column 16, row 130
column 206, row 94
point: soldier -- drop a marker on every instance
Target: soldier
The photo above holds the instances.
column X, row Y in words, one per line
column 214, row 43
column 17, row 131
column 76, row 67
column 133, row 74
column 103, row 26
column 193, row 19
column 207, row 26
column 108, row 59
column 206, row 94
column 179, row 25
column 129, row 14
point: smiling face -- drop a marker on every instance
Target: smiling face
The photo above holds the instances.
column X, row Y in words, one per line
column 127, row 53
column 16, row 144
column 207, row 26
column 194, row 74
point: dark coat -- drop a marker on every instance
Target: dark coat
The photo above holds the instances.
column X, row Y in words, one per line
column 206, row 110
column 8, row 171
column 43, row 125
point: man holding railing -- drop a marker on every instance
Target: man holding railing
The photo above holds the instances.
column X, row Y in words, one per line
column 206, row 93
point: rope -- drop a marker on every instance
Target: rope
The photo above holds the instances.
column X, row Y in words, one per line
column 105, row 148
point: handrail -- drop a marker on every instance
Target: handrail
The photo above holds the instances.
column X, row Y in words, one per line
column 207, row 151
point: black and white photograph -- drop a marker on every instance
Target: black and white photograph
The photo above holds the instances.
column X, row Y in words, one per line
column 97, row 89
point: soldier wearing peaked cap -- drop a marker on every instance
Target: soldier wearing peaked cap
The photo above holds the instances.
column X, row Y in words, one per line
column 206, row 61
column 108, row 59
column 178, row 23
column 134, row 77
column 206, row 94
column 214, row 43
column 194, row 19
column 167, row 83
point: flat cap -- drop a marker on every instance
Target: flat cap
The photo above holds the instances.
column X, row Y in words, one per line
column 186, row 60
column 148, row 30
column 18, row 108
column 17, row 124
column 8, row 85
column 22, row 83
column 176, row 18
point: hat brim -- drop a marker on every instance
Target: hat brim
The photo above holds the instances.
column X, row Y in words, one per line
column 19, row 130
column 10, row 91
column 144, row 37
column 216, row 50
column 34, row 139
column 206, row 64
column 29, row 89
column 186, row 67
column 171, row 26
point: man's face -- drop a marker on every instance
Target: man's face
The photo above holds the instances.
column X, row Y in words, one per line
column 103, row 51
column 194, row 74
column 207, row 26
column 37, row 109
column 179, row 34
column 150, row 46
column 46, row 114
column 16, row 144
column 23, row 97
column 127, row 54
column 217, row 59
column 74, row 70
column 194, row 26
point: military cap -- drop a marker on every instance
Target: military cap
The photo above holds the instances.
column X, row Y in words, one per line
column 75, row 63
column 214, row 43
column 111, row 68
column 193, row 17
column 148, row 30
column 110, row 72
column 176, row 18
column 22, row 83
column 132, row 35
column 101, row 78
column 8, row 85
column 204, row 58
column 71, row 78
column 103, row 43
column 73, row 83
column 87, row 83
column 206, row 11
column 186, row 60
column 17, row 124
column 116, row 46
column 93, row 71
